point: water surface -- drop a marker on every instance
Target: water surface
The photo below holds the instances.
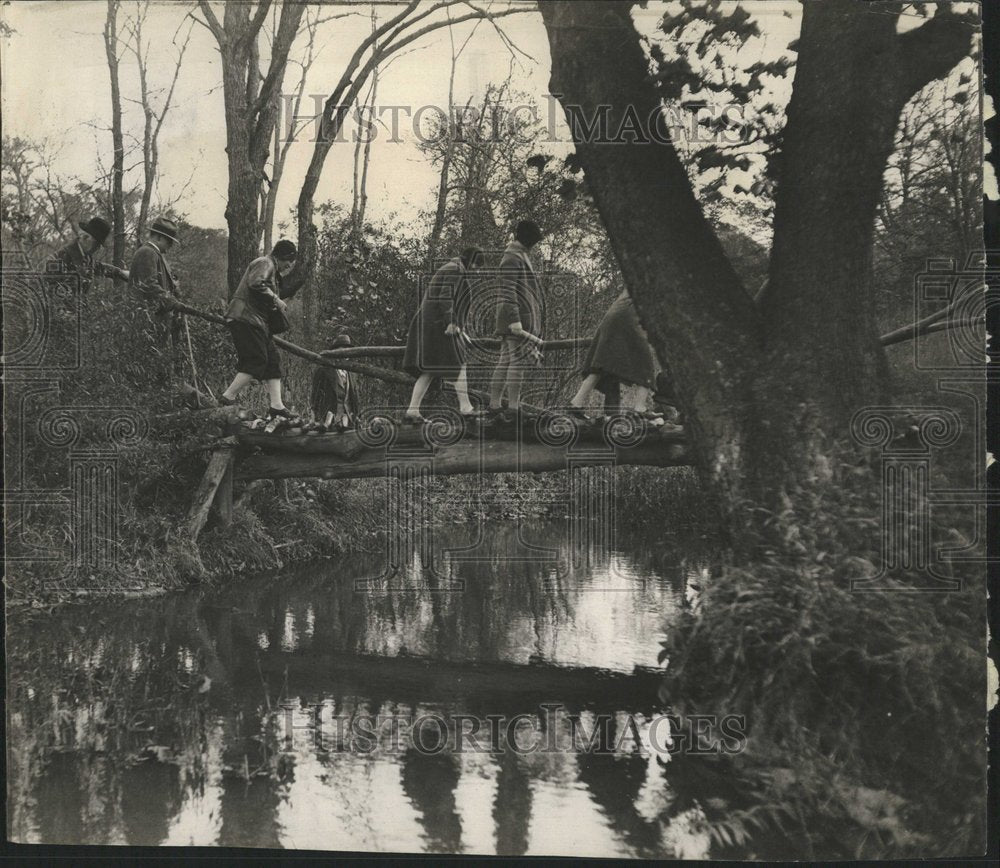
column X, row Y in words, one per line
column 212, row 718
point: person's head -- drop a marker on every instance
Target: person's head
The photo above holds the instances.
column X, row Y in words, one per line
column 284, row 254
column 341, row 341
column 93, row 234
column 472, row 257
column 528, row 233
column 163, row 233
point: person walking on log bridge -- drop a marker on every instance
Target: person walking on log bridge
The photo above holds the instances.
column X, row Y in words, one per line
column 434, row 343
column 77, row 257
column 619, row 354
column 256, row 313
column 334, row 398
column 150, row 276
column 518, row 321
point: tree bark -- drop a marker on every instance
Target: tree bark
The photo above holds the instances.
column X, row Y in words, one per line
column 251, row 113
column 759, row 391
column 699, row 318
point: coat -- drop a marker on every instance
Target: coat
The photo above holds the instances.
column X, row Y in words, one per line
column 333, row 392
column 520, row 292
column 619, row 348
column 149, row 273
column 257, row 294
column 73, row 260
column 446, row 302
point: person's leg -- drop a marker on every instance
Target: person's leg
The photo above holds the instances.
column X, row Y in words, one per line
column 420, row 388
column 586, row 387
column 239, row 383
column 499, row 379
column 462, row 391
column 515, row 377
column 641, row 398
column 272, row 376
column 612, row 396
column 274, row 394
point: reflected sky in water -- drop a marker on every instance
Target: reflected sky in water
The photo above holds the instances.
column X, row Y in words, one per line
column 192, row 719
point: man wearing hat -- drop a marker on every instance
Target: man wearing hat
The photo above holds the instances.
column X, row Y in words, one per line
column 258, row 298
column 77, row 257
column 150, row 276
column 334, row 397
column 518, row 320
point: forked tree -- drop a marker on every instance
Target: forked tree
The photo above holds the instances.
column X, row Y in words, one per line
column 766, row 385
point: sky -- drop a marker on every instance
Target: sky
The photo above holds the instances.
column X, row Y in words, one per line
column 55, row 89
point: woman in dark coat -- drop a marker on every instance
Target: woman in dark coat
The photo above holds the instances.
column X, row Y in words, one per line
column 258, row 296
column 619, row 354
column 434, row 341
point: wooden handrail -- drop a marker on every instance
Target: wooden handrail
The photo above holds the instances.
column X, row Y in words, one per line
column 933, row 323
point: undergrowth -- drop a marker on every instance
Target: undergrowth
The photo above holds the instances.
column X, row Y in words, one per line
column 865, row 709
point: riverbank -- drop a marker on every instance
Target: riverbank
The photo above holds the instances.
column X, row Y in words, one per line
column 277, row 523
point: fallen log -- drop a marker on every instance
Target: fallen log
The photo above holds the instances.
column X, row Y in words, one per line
column 466, row 457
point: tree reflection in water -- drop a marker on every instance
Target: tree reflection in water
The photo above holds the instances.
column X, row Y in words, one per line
column 159, row 721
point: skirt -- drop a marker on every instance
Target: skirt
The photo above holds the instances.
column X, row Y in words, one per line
column 256, row 353
column 619, row 348
column 428, row 349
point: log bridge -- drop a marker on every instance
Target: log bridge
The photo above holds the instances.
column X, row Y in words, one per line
column 446, row 445
column 381, row 448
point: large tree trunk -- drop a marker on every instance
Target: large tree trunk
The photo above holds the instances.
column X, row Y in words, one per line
column 251, row 109
column 700, row 320
column 759, row 391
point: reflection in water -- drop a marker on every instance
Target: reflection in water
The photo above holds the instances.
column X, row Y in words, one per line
column 210, row 718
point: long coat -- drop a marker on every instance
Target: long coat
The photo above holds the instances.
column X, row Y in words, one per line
column 151, row 278
column 257, row 294
column 619, row 348
column 428, row 348
column 521, row 297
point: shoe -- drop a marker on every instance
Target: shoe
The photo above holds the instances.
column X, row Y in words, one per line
column 577, row 413
column 413, row 420
column 283, row 412
column 227, row 402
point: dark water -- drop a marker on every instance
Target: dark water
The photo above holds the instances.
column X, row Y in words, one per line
column 212, row 718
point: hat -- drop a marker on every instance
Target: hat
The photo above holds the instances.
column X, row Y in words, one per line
column 166, row 228
column 284, row 249
column 340, row 341
column 97, row 228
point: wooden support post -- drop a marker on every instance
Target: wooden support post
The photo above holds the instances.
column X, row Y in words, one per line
column 219, row 465
column 224, row 496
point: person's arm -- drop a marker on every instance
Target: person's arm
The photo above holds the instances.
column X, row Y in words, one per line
column 106, row 269
column 261, row 283
column 456, row 286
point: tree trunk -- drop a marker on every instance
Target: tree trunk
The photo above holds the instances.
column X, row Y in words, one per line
column 699, row 318
column 760, row 392
column 118, row 145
